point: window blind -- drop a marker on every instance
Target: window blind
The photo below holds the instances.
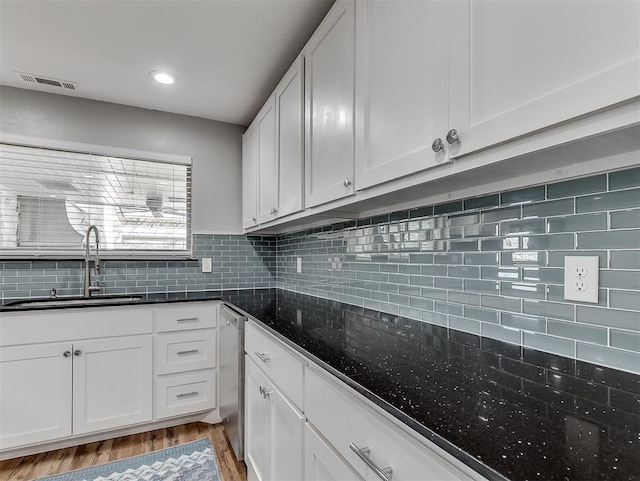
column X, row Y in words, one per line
column 48, row 199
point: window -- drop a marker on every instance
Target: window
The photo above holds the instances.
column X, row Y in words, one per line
column 48, row 199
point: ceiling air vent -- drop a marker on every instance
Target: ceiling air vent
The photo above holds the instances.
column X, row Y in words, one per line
column 37, row 79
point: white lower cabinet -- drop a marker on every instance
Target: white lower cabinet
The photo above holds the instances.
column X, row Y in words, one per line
column 273, row 430
column 112, row 383
column 74, row 388
column 81, row 371
column 185, row 393
column 350, row 425
column 333, row 434
column 186, row 353
column 321, row 462
column 35, row 393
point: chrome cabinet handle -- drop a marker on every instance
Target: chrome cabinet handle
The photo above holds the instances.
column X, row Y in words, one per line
column 190, row 351
column 437, row 145
column 187, row 394
column 274, row 211
column 77, row 352
column 66, row 353
column 188, row 319
column 265, row 392
column 346, row 182
column 254, row 220
column 453, row 137
column 262, row 356
column 386, row 474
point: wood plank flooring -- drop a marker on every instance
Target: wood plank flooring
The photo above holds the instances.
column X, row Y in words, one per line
column 83, row 456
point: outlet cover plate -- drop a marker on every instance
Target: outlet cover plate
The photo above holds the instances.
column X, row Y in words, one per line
column 581, row 278
column 207, row 264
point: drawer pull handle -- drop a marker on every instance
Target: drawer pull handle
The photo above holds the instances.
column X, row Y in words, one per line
column 262, row 356
column 190, row 351
column 386, row 474
column 188, row 319
column 187, row 394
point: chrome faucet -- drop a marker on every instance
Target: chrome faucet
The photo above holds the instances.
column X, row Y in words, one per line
column 88, row 286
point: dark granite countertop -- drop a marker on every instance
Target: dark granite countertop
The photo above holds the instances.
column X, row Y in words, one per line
column 114, row 300
column 525, row 414
column 508, row 412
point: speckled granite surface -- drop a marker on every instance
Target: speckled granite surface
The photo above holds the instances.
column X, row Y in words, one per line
column 509, row 412
column 524, row 413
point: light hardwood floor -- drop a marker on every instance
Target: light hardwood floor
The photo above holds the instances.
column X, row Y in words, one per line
column 54, row 462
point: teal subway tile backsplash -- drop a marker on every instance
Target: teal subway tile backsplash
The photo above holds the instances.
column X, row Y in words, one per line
column 625, row 219
column 586, row 185
column 494, row 264
column 624, row 179
column 239, row 262
column 490, row 264
column 624, row 199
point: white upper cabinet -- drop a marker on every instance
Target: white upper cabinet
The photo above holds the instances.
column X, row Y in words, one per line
column 267, row 162
column 289, row 97
column 528, row 65
column 250, row 177
column 401, row 87
column 329, row 107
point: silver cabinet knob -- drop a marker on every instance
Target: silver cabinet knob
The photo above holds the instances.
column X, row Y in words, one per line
column 77, row 352
column 453, row 137
column 274, row 211
column 253, row 219
column 66, row 353
column 346, row 182
column 437, row 145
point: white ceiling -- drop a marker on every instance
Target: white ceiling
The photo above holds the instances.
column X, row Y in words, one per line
column 227, row 54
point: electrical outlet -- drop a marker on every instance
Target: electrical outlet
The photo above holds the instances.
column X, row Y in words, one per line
column 207, row 265
column 299, row 265
column 581, row 278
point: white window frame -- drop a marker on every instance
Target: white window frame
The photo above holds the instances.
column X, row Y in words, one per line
column 109, row 151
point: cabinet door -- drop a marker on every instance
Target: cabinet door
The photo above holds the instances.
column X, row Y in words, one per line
column 257, row 423
column 35, row 387
column 112, row 383
column 321, row 462
column 290, row 132
column 267, row 162
column 250, row 177
column 287, row 428
column 401, row 87
column 329, row 107
column 273, row 430
column 527, row 65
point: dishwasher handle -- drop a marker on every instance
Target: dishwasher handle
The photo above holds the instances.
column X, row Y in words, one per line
column 230, row 316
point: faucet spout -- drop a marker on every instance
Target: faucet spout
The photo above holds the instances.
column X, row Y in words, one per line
column 88, row 286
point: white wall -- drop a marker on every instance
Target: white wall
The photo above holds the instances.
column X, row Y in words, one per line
column 216, row 147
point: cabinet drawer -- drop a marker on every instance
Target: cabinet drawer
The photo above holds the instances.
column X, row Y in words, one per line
column 184, row 317
column 178, row 394
column 276, row 361
column 345, row 420
column 185, row 351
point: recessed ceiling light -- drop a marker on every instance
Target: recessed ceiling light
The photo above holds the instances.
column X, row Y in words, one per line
column 162, row 77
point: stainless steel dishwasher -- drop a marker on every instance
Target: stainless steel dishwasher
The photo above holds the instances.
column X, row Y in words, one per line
column 232, row 377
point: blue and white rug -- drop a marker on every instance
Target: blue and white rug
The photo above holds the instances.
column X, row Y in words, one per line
column 194, row 461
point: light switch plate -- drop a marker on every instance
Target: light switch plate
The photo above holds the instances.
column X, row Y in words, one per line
column 581, row 278
column 207, row 265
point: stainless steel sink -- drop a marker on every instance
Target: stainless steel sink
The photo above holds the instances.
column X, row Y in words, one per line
column 75, row 301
